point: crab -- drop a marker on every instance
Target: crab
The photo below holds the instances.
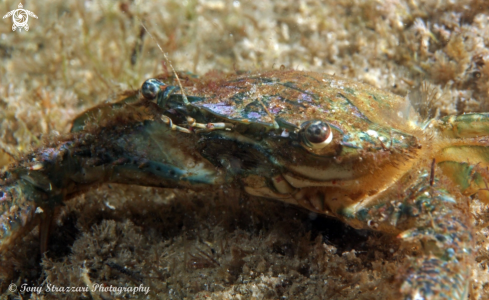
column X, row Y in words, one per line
column 328, row 144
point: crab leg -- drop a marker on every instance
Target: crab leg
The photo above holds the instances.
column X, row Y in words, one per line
column 471, row 178
column 465, row 126
column 18, row 211
column 138, row 148
column 419, row 210
column 465, row 158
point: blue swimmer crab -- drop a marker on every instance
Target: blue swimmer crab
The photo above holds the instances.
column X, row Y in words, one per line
column 330, row 145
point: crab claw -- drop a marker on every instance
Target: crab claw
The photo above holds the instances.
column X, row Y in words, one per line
column 129, row 145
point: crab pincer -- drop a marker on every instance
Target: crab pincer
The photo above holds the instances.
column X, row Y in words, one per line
column 125, row 142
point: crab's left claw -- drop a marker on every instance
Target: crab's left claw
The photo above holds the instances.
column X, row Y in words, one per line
column 139, row 148
column 129, row 144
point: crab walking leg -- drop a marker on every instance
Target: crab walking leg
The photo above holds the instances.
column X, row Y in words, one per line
column 464, row 157
column 464, row 126
column 471, row 178
column 17, row 211
column 467, row 164
column 144, row 153
column 31, row 190
column 422, row 211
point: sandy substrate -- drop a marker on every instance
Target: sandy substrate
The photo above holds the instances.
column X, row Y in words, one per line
column 217, row 245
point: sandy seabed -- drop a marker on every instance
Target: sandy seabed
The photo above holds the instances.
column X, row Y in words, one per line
column 224, row 245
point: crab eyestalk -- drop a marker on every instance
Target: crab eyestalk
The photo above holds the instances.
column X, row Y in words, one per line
column 316, row 134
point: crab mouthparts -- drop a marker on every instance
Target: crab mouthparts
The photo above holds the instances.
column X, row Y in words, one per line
column 325, row 197
column 332, row 194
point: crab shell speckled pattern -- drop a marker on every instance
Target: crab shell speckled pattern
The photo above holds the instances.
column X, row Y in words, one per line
column 365, row 122
column 378, row 171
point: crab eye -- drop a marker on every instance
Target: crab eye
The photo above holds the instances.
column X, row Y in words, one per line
column 316, row 134
column 150, row 88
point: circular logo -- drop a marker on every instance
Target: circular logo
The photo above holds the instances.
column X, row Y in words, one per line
column 12, row 287
column 20, row 17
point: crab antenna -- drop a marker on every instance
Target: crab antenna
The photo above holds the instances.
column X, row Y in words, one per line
column 185, row 100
